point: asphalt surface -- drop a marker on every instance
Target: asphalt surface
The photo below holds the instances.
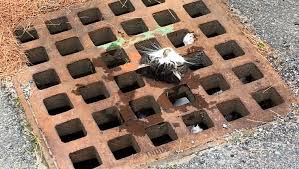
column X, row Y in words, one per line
column 16, row 142
column 276, row 22
column 274, row 145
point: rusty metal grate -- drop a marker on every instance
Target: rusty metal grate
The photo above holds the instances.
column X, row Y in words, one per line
column 91, row 107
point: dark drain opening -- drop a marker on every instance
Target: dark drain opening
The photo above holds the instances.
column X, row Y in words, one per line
column 146, row 46
column 232, row 109
column 69, row 46
column 81, row 68
column 58, row 25
column 196, row 9
column 90, row 16
column 70, row 130
column 121, row 7
column 115, row 58
column 198, row 118
column 200, row 58
column 166, row 17
column 129, row 81
column 36, row 56
column 58, row 104
column 248, row 73
column 145, row 106
column 102, row 36
column 177, row 37
column 94, row 92
column 180, row 95
column 26, row 34
column 123, row 146
column 161, row 133
column 229, row 50
column 214, row 84
column 46, row 79
column 212, row 29
column 267, row 98
column 108, row 118
column 134, row 26
column 86, row 158
column 149, row 3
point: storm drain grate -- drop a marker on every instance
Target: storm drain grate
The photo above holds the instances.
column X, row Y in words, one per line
column 92, row 107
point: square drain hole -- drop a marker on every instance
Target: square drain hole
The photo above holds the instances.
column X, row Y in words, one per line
column 36, row 56
column 229, row 50
column 46, row 79
column 123, row 146
column 196, row 9
column 94, row 92
column 58, row 25
column 134, row 26
column 176, row 38
column 166, row 17
column 232, row 109
column 180, row 95
column 90, row 16
column 26, row 34
column 200, row 58
column 102, row 36
column 70, row 130
column 267, row 98
column 149, row 3
column 129, row 81
column 198, row 118
column 81, row 68
column 86, row 158
column 121, row 7
column 212, row 29
column 108, row 118
column 145, row 106
column 58, row 104
column 214, row 84
column 161, row 133
column 248, row 73
column 149, row 45
column 115, row 58
column 69, row 46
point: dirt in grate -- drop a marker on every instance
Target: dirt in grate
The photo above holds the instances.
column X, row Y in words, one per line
column 12, row 13
column 93, row 109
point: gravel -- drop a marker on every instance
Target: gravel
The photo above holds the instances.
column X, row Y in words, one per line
column 276, row 144
column 276, row 22
column 16, row 143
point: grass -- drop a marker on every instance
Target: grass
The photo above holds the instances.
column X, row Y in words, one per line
column 12, row 13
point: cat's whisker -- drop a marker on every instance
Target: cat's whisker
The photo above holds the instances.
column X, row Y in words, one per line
column 154, row 45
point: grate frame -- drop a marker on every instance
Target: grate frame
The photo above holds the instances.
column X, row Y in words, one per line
column 64, row 155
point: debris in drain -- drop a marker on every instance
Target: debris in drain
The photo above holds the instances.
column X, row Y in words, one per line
column 27, row 89
column 225, row 126
column 196, row 129
column 189, row 39
column 165, row 64
column 181, row 101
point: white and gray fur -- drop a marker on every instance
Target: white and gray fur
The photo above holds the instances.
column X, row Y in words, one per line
column 165, row 64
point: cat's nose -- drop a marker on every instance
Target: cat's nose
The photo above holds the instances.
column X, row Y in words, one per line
column 166, row 52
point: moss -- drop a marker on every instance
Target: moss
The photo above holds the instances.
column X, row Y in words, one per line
column 160, row 31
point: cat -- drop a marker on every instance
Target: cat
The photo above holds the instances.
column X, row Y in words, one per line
column 165, row 64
